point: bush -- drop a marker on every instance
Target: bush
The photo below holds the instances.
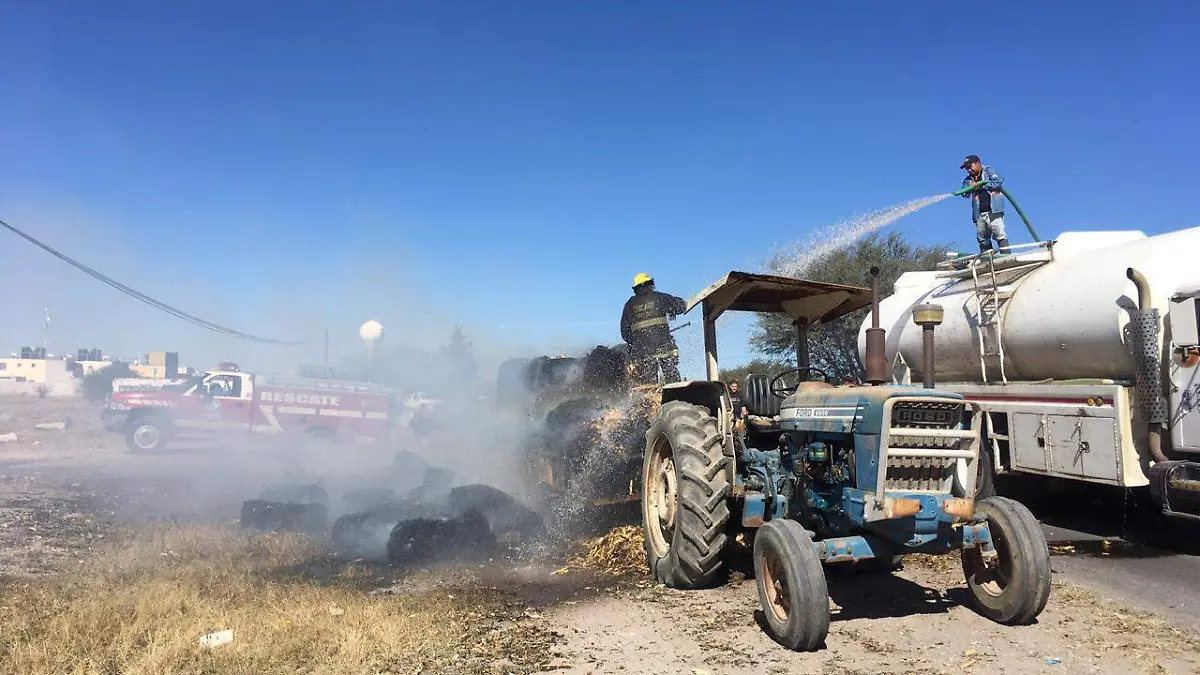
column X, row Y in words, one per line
column 98, row 384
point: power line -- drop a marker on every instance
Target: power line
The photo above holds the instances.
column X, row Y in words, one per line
column 162, row 306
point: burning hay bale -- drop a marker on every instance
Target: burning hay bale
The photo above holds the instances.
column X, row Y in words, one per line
column 261, row 514
column 421, row 541
column 619, row 552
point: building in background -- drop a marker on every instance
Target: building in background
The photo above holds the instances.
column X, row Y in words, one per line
column 157, row 365
column 44, row 376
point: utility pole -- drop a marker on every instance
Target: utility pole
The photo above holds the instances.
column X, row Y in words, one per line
column 46, row 332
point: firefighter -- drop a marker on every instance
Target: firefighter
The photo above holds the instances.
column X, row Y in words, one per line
column 987, row 204
column 644, row 328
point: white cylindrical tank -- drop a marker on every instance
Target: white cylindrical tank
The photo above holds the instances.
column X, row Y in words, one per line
column 1063, row 320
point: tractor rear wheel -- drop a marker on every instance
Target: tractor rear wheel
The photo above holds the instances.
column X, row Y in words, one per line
column 1014, row 587
column 791, row 585
column 684, row 493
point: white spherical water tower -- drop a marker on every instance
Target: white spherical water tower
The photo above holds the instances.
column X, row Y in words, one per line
column 371, row 333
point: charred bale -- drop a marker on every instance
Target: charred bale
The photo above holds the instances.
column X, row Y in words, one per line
column 606, row 369
column 508, row 519
column 554, row 372
column 367, row 532
column 421, row 541
column 261, row 514
column 290, row 493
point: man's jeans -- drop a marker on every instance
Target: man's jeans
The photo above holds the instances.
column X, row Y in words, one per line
column 990, row 226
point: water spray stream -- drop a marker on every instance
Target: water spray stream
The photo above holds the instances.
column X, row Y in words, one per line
column 795, row 261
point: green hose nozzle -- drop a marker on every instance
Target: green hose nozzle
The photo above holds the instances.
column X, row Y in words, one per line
column 1003, row 191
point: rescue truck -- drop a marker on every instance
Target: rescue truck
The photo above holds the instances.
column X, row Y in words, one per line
column 228, row 400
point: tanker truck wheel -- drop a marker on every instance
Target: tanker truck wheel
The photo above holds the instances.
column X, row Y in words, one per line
column 685, row 487
column 791, row 585
column 1014, row 588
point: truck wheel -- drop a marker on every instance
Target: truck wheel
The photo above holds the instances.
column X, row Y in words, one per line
column 684, row 492
column 1015, row 587
column 791, row 585
column 147, row 434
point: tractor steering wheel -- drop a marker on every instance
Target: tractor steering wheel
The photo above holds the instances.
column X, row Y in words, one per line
column 779, row 389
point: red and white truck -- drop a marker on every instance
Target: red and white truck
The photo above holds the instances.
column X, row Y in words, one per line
column 232, row 401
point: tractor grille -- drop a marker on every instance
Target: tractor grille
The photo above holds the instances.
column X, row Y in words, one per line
column 923, row 473
column 920, row 474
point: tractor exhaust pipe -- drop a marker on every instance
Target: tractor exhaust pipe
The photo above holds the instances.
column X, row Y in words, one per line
column 1149, row 374
column 876, row 339
column 927, row 316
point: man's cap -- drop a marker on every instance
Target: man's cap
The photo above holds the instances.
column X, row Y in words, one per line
column 971, row 159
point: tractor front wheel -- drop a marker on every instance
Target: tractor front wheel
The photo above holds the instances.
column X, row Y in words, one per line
column 684, row 492
column 1013, row 586
column 791, row 585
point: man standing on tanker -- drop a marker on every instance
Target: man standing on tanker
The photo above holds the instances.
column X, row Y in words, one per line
column 644, row 327
column 987, row 203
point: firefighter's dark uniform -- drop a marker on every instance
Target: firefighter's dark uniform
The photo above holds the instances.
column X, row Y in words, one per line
column 644, row 327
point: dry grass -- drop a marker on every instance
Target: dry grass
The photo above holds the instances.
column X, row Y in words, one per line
column 1139, row 636
column 142, row 606
column 618, row 553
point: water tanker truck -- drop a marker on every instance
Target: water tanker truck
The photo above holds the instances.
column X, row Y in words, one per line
column 835, row 474
column 1082, row 353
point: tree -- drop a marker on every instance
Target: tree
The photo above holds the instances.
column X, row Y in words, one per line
column 833, row 347
column 460, row 355
column 769, row 368
column 99, row 383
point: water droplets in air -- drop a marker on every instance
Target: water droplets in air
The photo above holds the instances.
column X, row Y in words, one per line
column 795, row 260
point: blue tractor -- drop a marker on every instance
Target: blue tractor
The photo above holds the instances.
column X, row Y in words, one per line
column 827, row 474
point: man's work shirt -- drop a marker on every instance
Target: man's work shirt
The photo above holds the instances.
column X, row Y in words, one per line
column 988, row 198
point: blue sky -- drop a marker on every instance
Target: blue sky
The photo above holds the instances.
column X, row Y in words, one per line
column 280, row 167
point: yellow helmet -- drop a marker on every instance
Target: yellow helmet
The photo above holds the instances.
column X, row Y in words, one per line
column 641, row 278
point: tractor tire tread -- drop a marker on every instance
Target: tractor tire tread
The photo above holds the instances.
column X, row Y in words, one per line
column 1030, row 585
column 695, row 556
column 807, row 624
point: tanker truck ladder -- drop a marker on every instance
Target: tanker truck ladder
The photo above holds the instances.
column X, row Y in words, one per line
column 994, row 279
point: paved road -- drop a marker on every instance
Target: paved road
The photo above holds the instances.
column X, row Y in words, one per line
column 1150, row 562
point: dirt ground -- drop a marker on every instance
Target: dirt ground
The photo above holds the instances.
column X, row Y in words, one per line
column 75, row 508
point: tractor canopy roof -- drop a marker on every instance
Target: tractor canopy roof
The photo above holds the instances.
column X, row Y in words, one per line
column 808, row 301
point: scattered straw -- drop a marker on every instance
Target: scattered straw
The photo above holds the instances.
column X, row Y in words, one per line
column 618, row 553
